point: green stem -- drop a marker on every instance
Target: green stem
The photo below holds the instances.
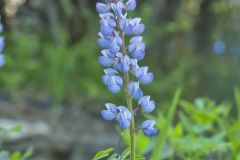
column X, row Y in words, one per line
column 132, row 127
column 129, row 102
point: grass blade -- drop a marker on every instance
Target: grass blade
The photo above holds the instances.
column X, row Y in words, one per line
column 162, row 136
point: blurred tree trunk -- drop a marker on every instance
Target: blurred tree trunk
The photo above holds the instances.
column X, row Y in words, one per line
column 204, row 27
column 164, row 12
column 2, row 14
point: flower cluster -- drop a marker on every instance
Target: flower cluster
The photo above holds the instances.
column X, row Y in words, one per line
column 2, row 61
column 119, row 59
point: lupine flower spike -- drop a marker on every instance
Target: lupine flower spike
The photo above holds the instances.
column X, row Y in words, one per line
column 2, row 61
column 120, row 60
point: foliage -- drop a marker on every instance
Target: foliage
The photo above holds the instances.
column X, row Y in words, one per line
column 199, row 130
column 16, row 155
column 124, row 156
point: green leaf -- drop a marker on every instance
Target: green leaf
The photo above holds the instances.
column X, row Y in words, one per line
column 125, row 154
column 140, row 158
column 103, row 154
column 27, row 154
column 16, row 155
column 16, row 128
column 114, row 157
column 162, row 137
column 237, row 98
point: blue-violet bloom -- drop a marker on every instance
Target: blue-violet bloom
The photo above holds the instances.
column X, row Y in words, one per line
column 149, row 128
column 146, row 105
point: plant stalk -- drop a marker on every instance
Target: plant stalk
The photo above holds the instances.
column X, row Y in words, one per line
column 132, row 126
column 129, row 102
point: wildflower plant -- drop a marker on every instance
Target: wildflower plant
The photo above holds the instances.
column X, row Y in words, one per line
column 2, row 61
column 120, row 59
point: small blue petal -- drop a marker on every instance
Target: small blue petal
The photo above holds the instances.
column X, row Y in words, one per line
column 147, row 78
column 139, row 29
column 124, row 67
column 110, row 71
column 138, row 94
column 112, row 107
column 114, row 88
column 149, row 107
column 118, row 80
column 111, row 23
column 114, row 49
column 105, row 61
column 148, row 128
column 150, row 132
column 102, row 8
column 124, row 124
column 118, row 40
column 132, row 47
column 103, row 43
column 146, row 105
column 148, row 124
column 123, row 22
column 106, row 79
column 107, row 115
column 139, row 54
column 117, row 8
column 128, row 30
column 106, row 30
column 130, row 5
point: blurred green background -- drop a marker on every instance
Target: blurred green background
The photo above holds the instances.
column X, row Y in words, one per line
column 52, row 75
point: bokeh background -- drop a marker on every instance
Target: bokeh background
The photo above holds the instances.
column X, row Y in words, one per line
column 51, row 83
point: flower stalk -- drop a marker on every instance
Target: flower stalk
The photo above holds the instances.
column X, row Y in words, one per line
column 128, row 100
column 121, row 62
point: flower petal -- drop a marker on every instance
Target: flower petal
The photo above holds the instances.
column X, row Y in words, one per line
column 102, row 8
column 147, row 78
column 130, row 5
column 107, row 115
column 105, row 61
column 124, row 124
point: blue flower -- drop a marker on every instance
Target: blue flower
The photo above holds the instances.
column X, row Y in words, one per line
column 112, row 80
column 132, row 26
column 125, row 64
column 114, row 25
column 104, row 42
column 122, row 63
column 130, row 5
column 106, row 30
column 110, row 113
column 116, row 44
column 148, row 128
column 146, row 105
column 121, row 114
column 143, row 76
column 102, row 8
column 137, row 48
column 135, row 91
column 117, row 8
column 107, row 59
column 124, row 117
